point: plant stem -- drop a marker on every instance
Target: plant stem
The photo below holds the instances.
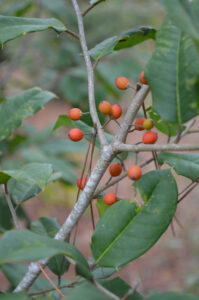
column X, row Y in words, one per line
column 12, row 210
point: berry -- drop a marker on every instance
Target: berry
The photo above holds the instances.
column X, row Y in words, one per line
column 122, row 83
column 115, row 169
column 110, row 198
column 142, row 79
column 83, row 183
column 139, row 122
column 150, row 137
column 105, row 107
column 134, row 172
column 75, row 114
column 75, row 134
column 148, row 124
column 116, row 111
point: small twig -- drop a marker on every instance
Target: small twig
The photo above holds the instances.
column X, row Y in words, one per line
column 72, row 33
column 131, row 292
column 189, row 191
column 91, row 7
column 144, row 110
column 105, row 291
column 52, row 289
column 11, row 207
column 48, row 278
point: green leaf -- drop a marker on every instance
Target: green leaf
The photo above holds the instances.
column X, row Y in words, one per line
column 25, row 245
column 167, row 128
column 5, row 215
column 17, row 108
column 13, row 27
column 184, row 164
column 120, row 288
column 172, row 296
column 172, row 73
column 184, row 14
column 125, row 232
column 63, row 120
column 101, row 206
column 125, row 39
column 15, row 296
column 86, row 291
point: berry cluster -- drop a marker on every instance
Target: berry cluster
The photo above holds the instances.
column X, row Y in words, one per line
column 114, row 112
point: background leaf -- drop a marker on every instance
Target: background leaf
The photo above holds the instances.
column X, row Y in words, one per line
column 125, row 232
column 15, row 296
column 172, row 296
column 13, row 27
column 17, row 108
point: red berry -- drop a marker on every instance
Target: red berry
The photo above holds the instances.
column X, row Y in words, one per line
column 115, row 169
column 81, row 183
column 105, row 107
column 142, row 79
column 139, row 122
column 109, row 198
column 116, row 111
column 75, row 134
column 75, row 114
column 134, row 172
column 122, row 83
column 150, row 137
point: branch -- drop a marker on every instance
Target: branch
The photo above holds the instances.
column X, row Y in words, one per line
column 91, row 90
column 91, row 7
column 73, row 34
column 131, row 113
column 142, row 148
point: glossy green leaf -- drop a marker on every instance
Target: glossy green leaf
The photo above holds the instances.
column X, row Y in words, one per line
column 101, row 206
column 167, row 128
column 171, row 73
column 13, row 27
column 125, row 39
column 25, row 245
column 17, row 108
column 15, row 296
column 172, row 296
column 63, row 120
column 86, row 291
column 125, row 232
column 184, row 13
column 184, row 164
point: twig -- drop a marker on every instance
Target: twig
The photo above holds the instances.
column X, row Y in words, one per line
column 91, row 90
column 12, row 210
column 48, row 278
column 91, row 7
column 72, row 33
column 130, row 292
column 52, row 289
column 190, row 190
column 105, row 291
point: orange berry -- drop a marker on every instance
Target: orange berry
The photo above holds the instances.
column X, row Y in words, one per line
column 116, row 111
column 81, row 183
column 75, row 134
column 134, row 172
column 122, row 83
column 139, row 122
column 105, row 107
column 148, row 124
column 150, row 137
column 75, row 114
column 142, row 79
column 115, row 169
column 109, row 198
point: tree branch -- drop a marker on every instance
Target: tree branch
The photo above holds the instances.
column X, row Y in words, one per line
column 91, row 90
column 155, row 147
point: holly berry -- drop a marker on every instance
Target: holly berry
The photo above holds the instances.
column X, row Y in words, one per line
column 75, row 134
column 134, row 172
column 116, row 111
column 139, row 122
column 110, row 198
column 150, row 137
column 142, row 79
column 115, row 169
column 105, row 107
column 148, row 124
column 81, row 183
column 75, row 114
column 122, row 83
